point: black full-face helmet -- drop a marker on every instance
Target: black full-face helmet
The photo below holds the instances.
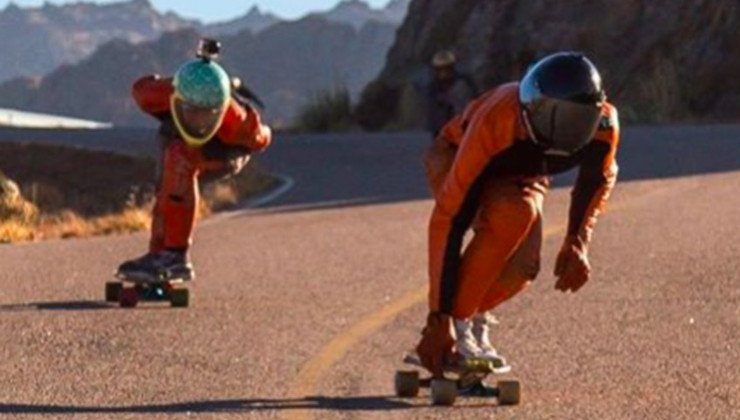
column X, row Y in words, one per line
column 562, row 99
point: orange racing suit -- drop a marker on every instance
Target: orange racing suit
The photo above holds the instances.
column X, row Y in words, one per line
column 240, row 134
column 486, row 173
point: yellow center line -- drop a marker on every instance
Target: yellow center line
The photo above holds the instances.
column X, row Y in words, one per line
column 308, row 378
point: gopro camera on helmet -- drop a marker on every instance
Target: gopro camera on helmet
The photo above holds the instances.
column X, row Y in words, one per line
column 208, row 49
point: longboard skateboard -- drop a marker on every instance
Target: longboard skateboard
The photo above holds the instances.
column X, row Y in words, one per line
column 129, row 291
column 468, row 381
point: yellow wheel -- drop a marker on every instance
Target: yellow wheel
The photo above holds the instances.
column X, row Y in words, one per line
column 407, row 384
column 509, row 392
column 443, row 392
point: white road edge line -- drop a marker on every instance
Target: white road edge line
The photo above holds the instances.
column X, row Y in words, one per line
column 286, row 184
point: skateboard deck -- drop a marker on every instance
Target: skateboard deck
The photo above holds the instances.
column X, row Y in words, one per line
column 129, row 291
column 469, row 376
column 479, row 366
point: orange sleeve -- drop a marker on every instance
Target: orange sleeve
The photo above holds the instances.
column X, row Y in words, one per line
column 596, row 178
column 491, row 130
column 440, row 155
column 455, row 129
column 242, row 127
column 152, row 94
column 438, row 160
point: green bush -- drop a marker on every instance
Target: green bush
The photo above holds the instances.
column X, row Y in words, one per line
column 329, row 110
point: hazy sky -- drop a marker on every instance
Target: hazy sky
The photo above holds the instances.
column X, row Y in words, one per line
column 212, row 10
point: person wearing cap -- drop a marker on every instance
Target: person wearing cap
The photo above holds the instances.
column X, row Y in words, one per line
column 490, row 169
column 206, row 133
column 448, row 91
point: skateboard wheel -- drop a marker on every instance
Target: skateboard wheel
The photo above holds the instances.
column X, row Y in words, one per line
column 509, row 392
column 180, row 298
column 129, row 297
column 407, row 384
column 443, row 392
column 113, row 291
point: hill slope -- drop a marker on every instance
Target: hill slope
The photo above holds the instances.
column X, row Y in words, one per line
column 37, row 40
column 663, row 60
column 284, row 64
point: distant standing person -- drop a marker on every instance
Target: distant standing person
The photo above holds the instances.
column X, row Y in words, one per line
column 207, row 132
column 448, row 92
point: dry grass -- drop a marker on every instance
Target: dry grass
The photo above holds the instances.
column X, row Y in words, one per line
column 57, row 207
column 252, row 181
column 71, row 225
column 222, row 195
column 16, row 231
column 17, row 218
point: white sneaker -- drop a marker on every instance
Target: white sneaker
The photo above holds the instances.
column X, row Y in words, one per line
column 467, row 345
column 481, row 331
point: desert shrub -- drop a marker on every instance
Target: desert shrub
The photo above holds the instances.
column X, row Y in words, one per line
column 70, row 193
column 326, row 111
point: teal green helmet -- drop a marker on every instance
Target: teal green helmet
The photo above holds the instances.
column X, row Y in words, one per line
column 203, row 83
column 202, row 93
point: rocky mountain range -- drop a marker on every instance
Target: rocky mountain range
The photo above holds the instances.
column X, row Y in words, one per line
column 285, row 64
column 284, row 61
column 39, row 39
column 662, row 60
column 357, row 13
column 353, row 12
column 254, row 21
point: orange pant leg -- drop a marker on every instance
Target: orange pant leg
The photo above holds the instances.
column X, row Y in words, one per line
column 175, row 209
column 509, row 212
column 519, row 272
column 156, row 240
column 177, row 198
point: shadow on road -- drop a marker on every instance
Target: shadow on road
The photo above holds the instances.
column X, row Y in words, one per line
column 366, row 403
column 83, row 305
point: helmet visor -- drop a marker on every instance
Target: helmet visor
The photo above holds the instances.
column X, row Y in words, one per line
column 563, row 126
column 197, row 125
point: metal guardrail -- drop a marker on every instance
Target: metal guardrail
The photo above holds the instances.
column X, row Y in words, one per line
column 14, row 118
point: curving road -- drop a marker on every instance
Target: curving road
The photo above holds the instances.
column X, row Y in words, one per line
column 303, row 308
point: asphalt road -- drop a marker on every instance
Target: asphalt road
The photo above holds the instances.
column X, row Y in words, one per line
column 303, row 309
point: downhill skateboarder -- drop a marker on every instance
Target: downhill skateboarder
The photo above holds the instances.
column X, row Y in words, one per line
column 489, row 169
column 206, row 132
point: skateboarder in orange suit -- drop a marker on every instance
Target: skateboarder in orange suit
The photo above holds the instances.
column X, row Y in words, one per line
column 206, row 133
column 489, row 170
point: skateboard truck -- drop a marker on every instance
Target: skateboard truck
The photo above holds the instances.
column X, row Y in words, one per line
column 166, row 290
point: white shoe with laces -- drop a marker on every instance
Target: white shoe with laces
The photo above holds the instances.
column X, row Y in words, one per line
column 481, row 329
column 467, row 345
